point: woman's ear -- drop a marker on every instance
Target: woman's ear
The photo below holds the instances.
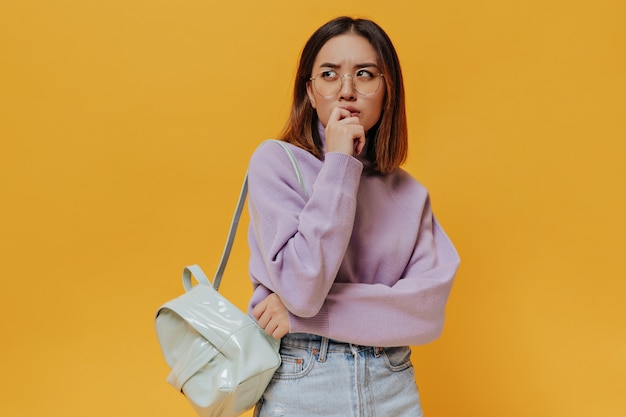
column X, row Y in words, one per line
column 311, row 95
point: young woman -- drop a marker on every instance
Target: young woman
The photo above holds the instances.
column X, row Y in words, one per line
column 355, row 269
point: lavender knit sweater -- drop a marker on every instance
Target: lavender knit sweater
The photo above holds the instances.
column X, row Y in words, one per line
column 362, row 260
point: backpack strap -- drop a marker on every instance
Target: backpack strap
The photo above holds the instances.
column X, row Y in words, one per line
column 217, row 279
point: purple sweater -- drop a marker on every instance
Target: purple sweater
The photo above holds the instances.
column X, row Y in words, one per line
column 362, row 260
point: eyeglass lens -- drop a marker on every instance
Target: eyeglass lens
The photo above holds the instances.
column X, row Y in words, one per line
column 328, row 83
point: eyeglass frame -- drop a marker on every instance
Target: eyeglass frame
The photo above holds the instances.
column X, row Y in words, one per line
column 341, row 77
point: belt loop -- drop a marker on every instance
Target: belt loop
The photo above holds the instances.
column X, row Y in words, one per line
column 377, row 352
column 323, row 349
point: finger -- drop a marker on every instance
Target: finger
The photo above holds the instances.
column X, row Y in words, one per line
column 280, row 332
column 264, row 321
column 344, row 137
column 339, row 114
column 336, row 115
column 271, row 328
column 359, row 144
column 259, row 309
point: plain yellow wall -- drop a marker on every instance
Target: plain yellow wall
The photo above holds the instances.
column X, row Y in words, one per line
column 125, row 131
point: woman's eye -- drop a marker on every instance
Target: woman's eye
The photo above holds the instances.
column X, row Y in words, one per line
column 363, row 73
column 329, row 75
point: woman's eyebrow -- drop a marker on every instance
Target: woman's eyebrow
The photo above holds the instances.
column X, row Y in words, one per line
column 366, row 65
column 329, row 65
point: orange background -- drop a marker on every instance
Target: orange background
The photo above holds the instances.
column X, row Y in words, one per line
column 126, row 127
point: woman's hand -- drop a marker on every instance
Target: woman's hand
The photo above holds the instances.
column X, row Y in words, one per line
column 272, row 316
column 344, row 132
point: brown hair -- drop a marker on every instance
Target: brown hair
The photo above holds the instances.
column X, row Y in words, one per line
column 387, row 142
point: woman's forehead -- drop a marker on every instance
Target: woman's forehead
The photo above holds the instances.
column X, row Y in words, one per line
column 346, row 51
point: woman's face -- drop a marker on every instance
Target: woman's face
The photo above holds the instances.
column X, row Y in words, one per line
column 345, row 54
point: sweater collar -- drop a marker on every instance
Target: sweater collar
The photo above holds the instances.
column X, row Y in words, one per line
column 321, row 130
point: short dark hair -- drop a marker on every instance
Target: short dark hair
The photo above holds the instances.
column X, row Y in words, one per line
column 387, row 141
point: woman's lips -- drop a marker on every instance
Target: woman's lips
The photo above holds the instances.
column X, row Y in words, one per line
column 353, row 112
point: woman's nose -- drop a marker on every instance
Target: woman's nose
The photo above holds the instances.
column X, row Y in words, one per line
column 347, row 88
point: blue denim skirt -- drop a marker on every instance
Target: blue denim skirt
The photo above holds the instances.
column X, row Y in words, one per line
column 324, row 377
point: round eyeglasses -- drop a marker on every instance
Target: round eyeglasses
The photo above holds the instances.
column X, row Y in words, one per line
column 328, row 82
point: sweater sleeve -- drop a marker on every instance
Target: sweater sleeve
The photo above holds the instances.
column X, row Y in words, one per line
column 410, row 312
column 297, row 245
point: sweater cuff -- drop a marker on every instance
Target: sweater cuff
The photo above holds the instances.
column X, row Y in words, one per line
column 340, row 168
column 317, row 324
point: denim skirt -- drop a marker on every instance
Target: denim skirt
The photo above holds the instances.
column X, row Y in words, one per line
column 324, row 377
